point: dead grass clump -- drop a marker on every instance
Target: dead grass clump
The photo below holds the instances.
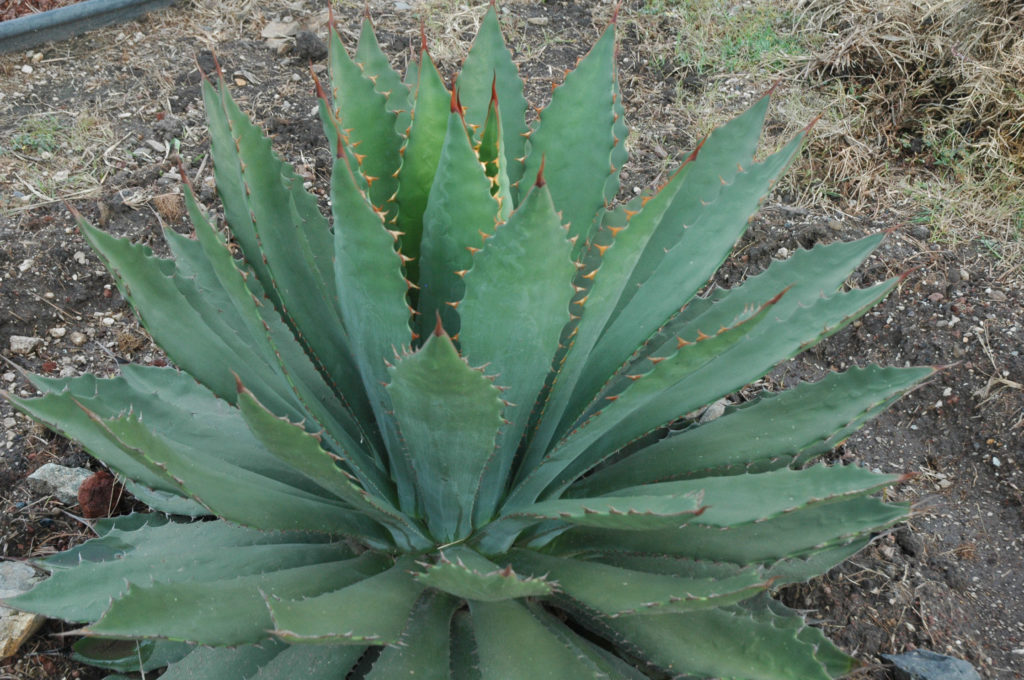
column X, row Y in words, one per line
column 936, row 83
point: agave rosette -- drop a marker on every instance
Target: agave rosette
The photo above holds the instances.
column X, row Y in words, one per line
column 429, row 435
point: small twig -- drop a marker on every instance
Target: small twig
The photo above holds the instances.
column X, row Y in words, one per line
column 51, row 201
column 34, row 190
column 63, row 312
column 995, row 380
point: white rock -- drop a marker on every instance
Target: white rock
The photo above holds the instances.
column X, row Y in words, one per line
column 78, row 339
column 996, row 461
column 58, row 481
column 22, row 344
column 58, row 332
column 79, row 257
column 26, row 265
column 15, row 626
column 26, row 68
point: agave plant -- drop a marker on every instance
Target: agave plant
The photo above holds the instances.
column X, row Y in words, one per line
column 455, row 431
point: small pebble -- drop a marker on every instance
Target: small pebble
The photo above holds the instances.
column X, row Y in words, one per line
column 58, row 332
column 21, row 344
column 26, row 265
column 996, row 462
column 107, row 321
column 78, row 339
column 79, row 257
column 26, row 68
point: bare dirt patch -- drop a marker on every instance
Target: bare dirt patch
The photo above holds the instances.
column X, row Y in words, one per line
column 104, row 119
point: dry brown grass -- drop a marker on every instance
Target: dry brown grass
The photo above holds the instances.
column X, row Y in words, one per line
column 934, row 87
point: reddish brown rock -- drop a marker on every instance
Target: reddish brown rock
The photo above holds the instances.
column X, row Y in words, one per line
column 100, row 495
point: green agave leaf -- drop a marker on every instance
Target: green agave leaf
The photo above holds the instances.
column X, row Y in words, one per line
column 806, row 567
column 615, row 591
column 64, row 415
column 311, row 662
column 373, row 611
column 779, row 573
column 165, row 398
column 86, row 578
column 683, row 269
column 731, row 642
column 420, row 157
column 492, row 154
column 756, row 497
column 516, row 304
column 424, row 649
column 504, row 630
column 129, row 655
column 168, row 503
column 460, row 215
column 574, row 139
column 750, row 357
column 224, row 663
column 793, row 534
column 196, row 610
column 300, row 450
column 466, row 574
column 619, row 155
column 490, row 62
column 294, row 447
column 618, row 245
column 809, row 274
column 371, row 295
column 237, row 494
column 267, row 661
column 283, row 236
column 619, row 512
column 259, row 328
column 773, row 431
column 386, row 80
column 449, row 415
column 156, row 292
column 633, row 412
column 369, row 125
column 711, row 171
column 465, row 662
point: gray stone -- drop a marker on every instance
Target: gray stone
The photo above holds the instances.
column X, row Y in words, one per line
column 15, row 626
column 59, row 481
column 23, row 344
column 713, row 411
column 922, row 664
